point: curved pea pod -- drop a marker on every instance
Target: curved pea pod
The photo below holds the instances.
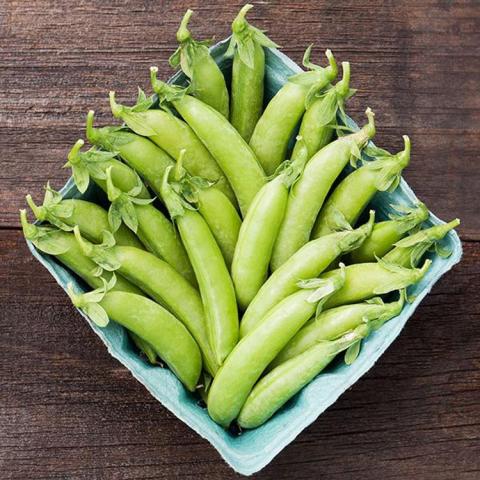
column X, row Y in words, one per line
column 317, row 124
column 172, row 135
column 215, row 284
column 275, row 127
column 208, row 82
column 259, row 231
column 282, row 383
column 65, row 248
column 248, row 71
column 158, row 280
column 354, row 193
column 250, row 357
column 226, row 145
column 309, row 262
column 385, row 234
column 151, row 322
column 366, row 280
column 409, row 251
column 335, row 322
column 309, row 192
column 91, row 218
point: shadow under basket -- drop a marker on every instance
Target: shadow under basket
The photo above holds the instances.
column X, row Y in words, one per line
column 251, row 450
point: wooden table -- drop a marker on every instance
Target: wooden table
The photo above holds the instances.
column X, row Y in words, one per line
column 70, row 411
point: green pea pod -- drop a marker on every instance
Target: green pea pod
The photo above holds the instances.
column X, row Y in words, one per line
column 132, row 208
column 354, row 193
column 335, row 322
column 91, row 218
column 65, row 248
column 250, row 357
column 248, row 71
column 282, row 383
column 216, row 288
column 259, row 231
column 308, row 194
column 409, row 251
column 316, row 128
column 385, row 234
column 158, row 280
column 309, row 262
column 275, row 127
column 169, row 337
column 208, row 82
column 229, row 149
column 366, row 280
column 172, row 135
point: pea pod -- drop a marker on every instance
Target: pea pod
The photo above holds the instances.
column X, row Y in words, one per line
column 385, row 234
column 208, row 82
column 309, row 262
column 158, row 280
column 65, row 248
column 250, row 357
column 409, row 251
column 248, row 71
column 275, row 127
column 226, row 145
column 366, row 280
column 91, row 218
column 316, row 128
column 336, row 322
column 282, row 383
column 216, row 288
column 169, row 337
column 259, row 231
column 172, row 135
column 354, row 193
column 308, row 194
column 133, row 209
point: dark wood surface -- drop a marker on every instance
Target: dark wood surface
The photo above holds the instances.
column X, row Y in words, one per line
column 69, row 410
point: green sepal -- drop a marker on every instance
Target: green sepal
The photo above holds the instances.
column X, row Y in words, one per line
column 352, row 352
column 244, row 37
column 305, row 80
column 122, row 208
column 407, row 218
column 174, row 201
column 88, row 302
column 353, row 239
column 167, row 93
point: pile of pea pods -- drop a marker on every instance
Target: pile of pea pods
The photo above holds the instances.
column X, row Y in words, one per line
column 240, row 263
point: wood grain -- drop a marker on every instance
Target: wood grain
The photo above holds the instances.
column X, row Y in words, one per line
column 68, row 410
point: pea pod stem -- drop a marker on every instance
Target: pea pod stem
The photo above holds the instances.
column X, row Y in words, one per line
column 231, row 152
column 309, row 192
column 352, row 195
column 216, row 288
column 275, row 127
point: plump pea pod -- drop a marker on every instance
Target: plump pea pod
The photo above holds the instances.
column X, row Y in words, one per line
column 229, row 149
column 132, row 208
column 275, row 127
column 248, row 71
column 354, row 193
column 259, row 231
column 250, row 357
column 385, row 234
column 336, row 322
column 172, row 135
column 91, row 218
column 309, row 192
column 282, row 383
column 409, row 251
column 366, row 280
column 160, row 281
column 216, row 288
column 65, row 248
column 309, row 262
column 316, row 128
column 208, row 82
column 169, row 337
